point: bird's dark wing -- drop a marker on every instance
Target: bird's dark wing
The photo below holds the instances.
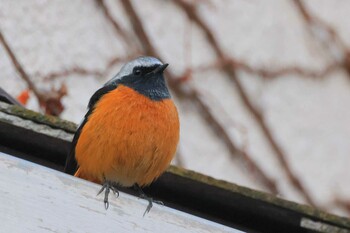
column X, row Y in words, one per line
column 5, row 97
column 71, row 164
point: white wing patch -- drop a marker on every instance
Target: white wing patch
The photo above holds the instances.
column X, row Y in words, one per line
column 128, row 67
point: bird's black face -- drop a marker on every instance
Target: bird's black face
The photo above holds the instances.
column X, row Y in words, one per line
column 148, row 81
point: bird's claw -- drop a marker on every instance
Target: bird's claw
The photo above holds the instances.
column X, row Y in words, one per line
column 149, row 199
column 150, row 203
column 106, row 204
column 107, row 186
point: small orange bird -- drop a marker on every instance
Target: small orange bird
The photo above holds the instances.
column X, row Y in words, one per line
column 131, row 130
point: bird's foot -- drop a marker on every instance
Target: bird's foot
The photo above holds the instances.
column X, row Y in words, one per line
column 150, row 203
column 149, row 199
column 107, row 187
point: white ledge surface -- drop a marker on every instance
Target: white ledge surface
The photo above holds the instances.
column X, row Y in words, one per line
column 34, row 198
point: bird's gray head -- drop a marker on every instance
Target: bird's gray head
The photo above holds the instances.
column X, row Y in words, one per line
column 144, row 75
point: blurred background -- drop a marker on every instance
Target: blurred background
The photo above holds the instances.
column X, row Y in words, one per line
column 262, row 87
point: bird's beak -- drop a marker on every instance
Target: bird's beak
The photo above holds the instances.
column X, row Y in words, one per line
column 160, row 69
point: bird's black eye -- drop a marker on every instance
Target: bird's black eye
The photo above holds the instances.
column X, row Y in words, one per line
column 137, row 72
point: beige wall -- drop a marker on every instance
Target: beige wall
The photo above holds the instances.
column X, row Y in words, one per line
column 307, row 117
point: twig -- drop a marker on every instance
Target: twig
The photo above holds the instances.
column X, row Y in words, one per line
column 126, row 38
column 138, row 28
column 51, row 102
column 84, row 71
column 330, row 39
column 344, row 204
column 243, row 149
column 23, row 74
column 189, row 92
column 315, row 23
column 269, row 73
column 230, row 71
column 188, row 49
column 222, row 133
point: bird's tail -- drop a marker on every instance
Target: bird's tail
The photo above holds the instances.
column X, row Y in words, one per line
column 79, row 173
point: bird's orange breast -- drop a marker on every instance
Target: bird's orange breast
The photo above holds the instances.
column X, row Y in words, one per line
column 128, row 138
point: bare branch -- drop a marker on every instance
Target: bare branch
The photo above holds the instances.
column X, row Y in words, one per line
column 191, row 12
column 23, row 74
column 314, row 22
column 83, row 71
column 127, row 39
column 189, row 92
column 138, row 28
column 269, row 73
column 51, row 102
column 330, row 39
column 344, row 204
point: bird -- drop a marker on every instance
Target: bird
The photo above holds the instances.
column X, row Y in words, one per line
column 130, row 132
